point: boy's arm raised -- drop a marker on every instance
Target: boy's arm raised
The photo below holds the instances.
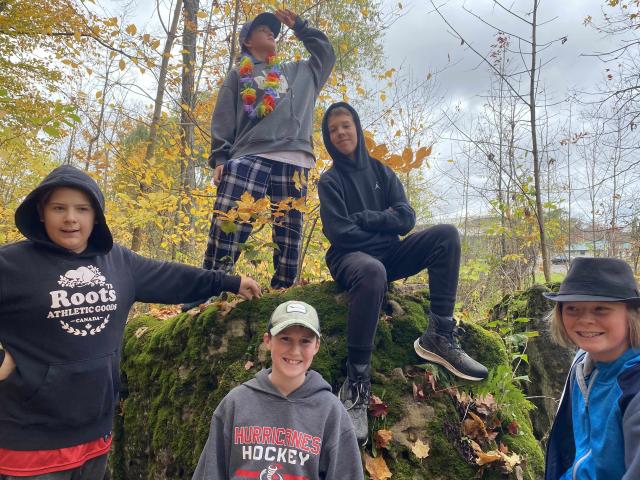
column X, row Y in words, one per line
column 223, row 121
column 323, row 57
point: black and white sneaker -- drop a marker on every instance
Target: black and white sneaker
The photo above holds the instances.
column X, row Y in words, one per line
column 445, row 350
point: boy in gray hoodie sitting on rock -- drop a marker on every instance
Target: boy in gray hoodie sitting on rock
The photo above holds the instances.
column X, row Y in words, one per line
column 285, row 422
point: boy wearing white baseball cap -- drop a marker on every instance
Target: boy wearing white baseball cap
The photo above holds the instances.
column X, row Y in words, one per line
column 285, row 422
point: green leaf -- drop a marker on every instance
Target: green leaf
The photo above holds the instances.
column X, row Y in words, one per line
column 52, row 131
column 74, row 117
column 522, row 320
column 531, row 334
column 228, row 227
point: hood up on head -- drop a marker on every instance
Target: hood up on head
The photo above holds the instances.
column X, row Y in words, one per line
column 362, row 159
column 27, row 217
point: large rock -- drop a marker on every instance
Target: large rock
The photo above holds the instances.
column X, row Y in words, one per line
column 548, row 363
column 176, row 371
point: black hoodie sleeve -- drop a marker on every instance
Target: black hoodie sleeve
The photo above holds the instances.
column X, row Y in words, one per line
column 398, row 219
column 323, row 56
column 167, row 282
column 339, row 228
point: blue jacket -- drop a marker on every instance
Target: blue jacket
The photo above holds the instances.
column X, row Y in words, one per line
column 596, row 432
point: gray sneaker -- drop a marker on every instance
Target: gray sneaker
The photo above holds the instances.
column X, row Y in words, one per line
column 354, row 395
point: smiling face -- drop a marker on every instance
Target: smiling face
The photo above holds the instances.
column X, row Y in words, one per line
column 600, row 328
column 343, row 133
column 68, row 217
column 261, row 42
column 292, row 352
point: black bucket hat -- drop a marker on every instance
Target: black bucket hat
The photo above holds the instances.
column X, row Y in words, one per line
column 265, row 18
column 597, row 280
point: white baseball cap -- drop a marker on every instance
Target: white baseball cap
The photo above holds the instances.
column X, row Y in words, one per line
column 291, row 313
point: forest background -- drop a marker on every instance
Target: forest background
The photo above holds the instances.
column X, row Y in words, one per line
column 514, row 121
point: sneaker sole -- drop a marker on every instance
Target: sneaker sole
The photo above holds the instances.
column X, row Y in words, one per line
column 432, row 357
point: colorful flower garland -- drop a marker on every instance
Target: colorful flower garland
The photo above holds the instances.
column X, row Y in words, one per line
column 271, row 86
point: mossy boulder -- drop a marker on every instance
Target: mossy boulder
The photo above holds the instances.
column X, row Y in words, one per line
column 548, row 363
column 175, row 372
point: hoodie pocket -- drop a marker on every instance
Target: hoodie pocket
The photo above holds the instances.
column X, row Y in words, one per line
column 76, row 393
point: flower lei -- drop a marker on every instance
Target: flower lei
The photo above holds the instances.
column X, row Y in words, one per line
column 271, row 86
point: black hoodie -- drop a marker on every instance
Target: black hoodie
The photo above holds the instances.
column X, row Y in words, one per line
column 62, row 318
column 362, row 202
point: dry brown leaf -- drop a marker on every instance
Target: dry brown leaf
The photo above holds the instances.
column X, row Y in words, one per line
column 225, row 307
column 382, row 438
column 420, row 450
column 377, row 408
column 486, row 405
column 431, row 379
column 248, row 365
column 488, row 457
column 475, row 428
column 519, row 473
column 510, row 461
column 418, row 392
column 377, row 468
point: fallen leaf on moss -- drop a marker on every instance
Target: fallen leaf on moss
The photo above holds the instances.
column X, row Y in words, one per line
column 488, row 457
column 383, row 438
column 513, row 428
column 377, row 408
column 225, row 307
column 486, row 404
column 475, row 428
column 377, row 468
column 420, row 450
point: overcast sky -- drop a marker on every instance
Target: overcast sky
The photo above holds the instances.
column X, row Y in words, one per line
column 422, row 39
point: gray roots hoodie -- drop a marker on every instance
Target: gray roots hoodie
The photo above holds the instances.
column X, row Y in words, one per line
column 256, row 432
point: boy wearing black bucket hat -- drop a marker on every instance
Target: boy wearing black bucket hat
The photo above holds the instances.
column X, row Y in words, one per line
column 285, row 422
column 596, row 432
column 261, row 133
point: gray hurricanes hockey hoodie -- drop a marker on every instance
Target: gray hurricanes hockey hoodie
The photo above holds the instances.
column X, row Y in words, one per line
column 256, row 432
column 290, row 126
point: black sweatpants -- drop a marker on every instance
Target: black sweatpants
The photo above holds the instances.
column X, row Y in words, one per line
column 366, row 277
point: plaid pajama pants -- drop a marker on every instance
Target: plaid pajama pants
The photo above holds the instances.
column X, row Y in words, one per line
column 260, row 177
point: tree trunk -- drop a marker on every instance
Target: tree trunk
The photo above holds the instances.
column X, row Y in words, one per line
column 187, row 122
column 534, row 147
column 136, row 235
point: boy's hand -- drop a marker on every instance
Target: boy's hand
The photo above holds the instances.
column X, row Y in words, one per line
column 8, row 366
column 287, row 17
column 249, row 288
column 217, row 175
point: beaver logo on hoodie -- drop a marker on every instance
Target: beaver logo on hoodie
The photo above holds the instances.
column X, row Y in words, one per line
column 81, row 312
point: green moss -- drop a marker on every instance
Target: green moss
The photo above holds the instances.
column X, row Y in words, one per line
column 176, row 371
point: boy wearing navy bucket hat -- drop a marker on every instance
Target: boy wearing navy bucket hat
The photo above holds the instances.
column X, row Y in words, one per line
column 285, row 422
column 596, row 432
column 261, row 139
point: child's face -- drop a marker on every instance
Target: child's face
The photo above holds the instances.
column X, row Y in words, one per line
column 261, row 40
column 600, row 328
column 343, row 133
column 68, row 218
column 292, row 352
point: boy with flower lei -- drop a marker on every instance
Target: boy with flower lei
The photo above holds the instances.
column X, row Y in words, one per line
column 261, row 137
